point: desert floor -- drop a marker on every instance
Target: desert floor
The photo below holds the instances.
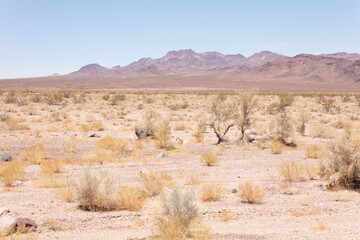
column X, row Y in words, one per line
column 301, row 209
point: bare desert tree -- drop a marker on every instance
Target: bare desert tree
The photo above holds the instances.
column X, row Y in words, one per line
column 224, row 112
column 247, row 103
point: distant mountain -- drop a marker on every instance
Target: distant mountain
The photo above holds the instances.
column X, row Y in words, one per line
column 307, row 68
column 182, row 61
column 188, row 69
column 344, row 55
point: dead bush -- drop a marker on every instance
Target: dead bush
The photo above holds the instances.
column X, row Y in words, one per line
column 224, row 114
column 146, row 127
column 115, row 145
column 247, row 104
column 34, row 154
column 162, row 135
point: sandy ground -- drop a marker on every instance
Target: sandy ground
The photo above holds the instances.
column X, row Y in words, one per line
column 337, row 212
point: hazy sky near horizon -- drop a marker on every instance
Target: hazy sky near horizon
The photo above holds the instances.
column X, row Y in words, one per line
column 42, row 37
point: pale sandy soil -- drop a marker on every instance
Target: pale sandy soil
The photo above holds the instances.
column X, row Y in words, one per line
column 272, row 218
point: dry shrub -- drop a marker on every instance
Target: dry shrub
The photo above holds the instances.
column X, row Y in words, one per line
column 343, row 168
column 155, row 182
column 95, row 192
column 315, row 151
column 16, row 124
column 34, row 154
column 210, row 193
column 52, row 166
column 226, row 216
column 67, row 193
column 57, row 225
column 116, row 99
column 285, row 129
column 94, row 126
column 209, row 158
column 277, row 147
column 101, row 156
column 304, row 118
column 247, row 104
column 250, row 192
column 130, row 198
column 115, row 145
column 162, row 135
column 312, row 172
column 180, row 127
column 322, row 131
column 199, row 136
column 285, row 101
column 10, row 172
column 292, row 171
column 146, row 127
column 224, row 116
column 179, row 218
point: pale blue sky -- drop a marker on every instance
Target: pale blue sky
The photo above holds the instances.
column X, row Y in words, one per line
column 42, row 37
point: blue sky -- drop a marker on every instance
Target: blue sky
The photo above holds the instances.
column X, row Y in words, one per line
column 42, row 37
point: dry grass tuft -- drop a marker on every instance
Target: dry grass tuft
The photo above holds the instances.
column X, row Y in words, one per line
column 319, row 225
column 209, row 158
column 34, row 154
column 292, row 171
column 315, row 151
column 117, row 146
column 250, row 192
column 130, row 198
column 94, row 126
column 277, row 147
column 67, row 193
column 210, row 193
column 10, row 172
column 95, row 192
column 155, row 182
column 52, row 166
column 199, row 137
column 162, row 135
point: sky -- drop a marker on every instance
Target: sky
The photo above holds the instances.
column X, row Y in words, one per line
column 43, row 37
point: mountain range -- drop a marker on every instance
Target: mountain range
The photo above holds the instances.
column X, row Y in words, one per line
column 189, row 69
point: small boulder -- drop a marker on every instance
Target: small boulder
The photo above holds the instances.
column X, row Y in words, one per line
column 234, row 190
column 179, row 141
column 94, row 135
column 5, row 157
column 26, row 225
column 161, row 155
column 54, row 134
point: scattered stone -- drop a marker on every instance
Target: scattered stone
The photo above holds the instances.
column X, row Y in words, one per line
column 5, row 157
column 54, row 134
column 26, row 225
column 161, row 155
column 94, row 135
column 179, row 141
column 234, row 190
column 17, row 183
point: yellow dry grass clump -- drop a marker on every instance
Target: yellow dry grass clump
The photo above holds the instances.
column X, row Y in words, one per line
column 155, row 182
column 277, row 147
column 94, row 126
column 292, row 171
column 34, row 154
column 118, row 146
column 315, row 151
column 130, row 198
column 209, row 158
column 10, row 172
column 210, row 193
column 162, row 135
column 52, row 166
column 250, row 192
